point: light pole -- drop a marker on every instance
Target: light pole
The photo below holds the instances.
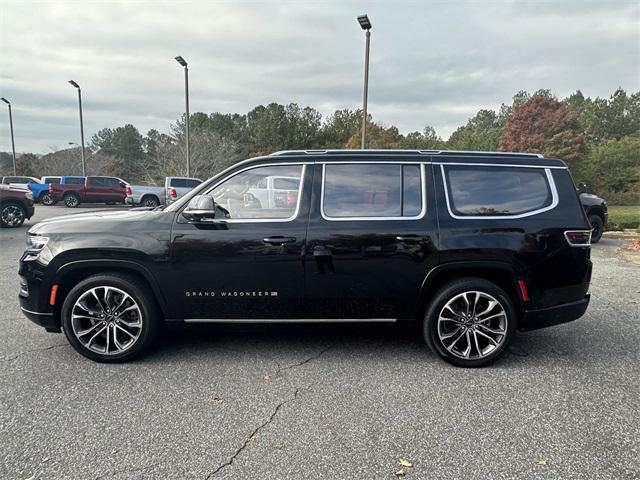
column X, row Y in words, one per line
column 13, row 145
column 81, row 126
column 183, row 62
column 364, row 22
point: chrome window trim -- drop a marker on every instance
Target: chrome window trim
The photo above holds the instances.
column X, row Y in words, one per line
column 423, row 184
column 476, row 164
column 552, row 187
column 264, row 220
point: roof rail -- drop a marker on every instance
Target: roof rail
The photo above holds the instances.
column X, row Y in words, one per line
column 420, row 152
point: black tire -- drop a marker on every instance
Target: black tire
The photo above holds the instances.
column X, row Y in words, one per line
column 149, row 201
column 47, row 199
column 12, row 215
column 449, row 292
column 71, row 200
column 597, row 228
column 144, row 299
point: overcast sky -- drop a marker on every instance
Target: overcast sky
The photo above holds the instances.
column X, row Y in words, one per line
column 432, row 63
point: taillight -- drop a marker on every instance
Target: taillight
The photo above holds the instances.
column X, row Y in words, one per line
column 51, row 188
column 172, row 193
column 578, row 238
column 129, row 191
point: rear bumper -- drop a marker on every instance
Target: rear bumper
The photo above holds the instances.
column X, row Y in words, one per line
column 547, row 317
column 129, row 201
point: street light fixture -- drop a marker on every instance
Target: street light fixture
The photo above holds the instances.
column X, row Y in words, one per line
column 365, row 24
column 74, row 84
column 13, row 145
column 183, row 62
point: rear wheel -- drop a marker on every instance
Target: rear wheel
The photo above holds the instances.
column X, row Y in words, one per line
column 47, row 199
column 110, row 318
column 597, row 228
column 150, row 201
column 469, row 322
column 12, row 215
column 71, row 200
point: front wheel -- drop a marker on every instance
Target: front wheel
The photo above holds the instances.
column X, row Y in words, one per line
column 150, row 201
column 12, row 215
column 110, row 318
column 469, row 322
column 597, row 228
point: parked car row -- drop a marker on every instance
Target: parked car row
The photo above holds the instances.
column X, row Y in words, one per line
column 74, row 190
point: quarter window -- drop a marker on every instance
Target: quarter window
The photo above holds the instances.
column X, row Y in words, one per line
column 251, row 194
column 497, row 191
column 372, row 190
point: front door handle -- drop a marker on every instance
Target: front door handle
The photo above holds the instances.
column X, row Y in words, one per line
column 278, row 240
column 412, row 238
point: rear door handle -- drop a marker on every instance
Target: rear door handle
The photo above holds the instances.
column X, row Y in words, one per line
column 412, row 238
column 278, row 240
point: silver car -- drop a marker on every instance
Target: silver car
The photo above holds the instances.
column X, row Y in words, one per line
column 151, row 196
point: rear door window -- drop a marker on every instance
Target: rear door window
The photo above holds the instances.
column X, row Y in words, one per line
column 178, row 183
column 372, row 190
column 496, row 191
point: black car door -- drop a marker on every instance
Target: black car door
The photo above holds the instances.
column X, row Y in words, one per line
column 247, row 262
column 371, row 239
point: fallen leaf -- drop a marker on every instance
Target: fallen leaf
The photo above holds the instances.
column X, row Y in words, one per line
column 406, row 463
column 400, row 473
column 45, row 459
column 252, row 438
column 266, row 377
column 33, row 477
column 216, row 398
column 542, row 461
column 279, row 446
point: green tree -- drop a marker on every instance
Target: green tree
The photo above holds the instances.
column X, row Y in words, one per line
column 482, row 132
column 428, row 139
column 612, row 169
column 340, row 127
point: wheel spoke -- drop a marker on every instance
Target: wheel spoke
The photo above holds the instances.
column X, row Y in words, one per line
column 495, row 331
column 467, row 351
column 466, row 301
column 450, row 347
column 475, row 340
column 82, row 333
column 488, row 338
column 492, row 304
column 501, row 314
column 126, row 331
column 116, row 342
column 95, row 335
column 446, row 336
column 95, row 295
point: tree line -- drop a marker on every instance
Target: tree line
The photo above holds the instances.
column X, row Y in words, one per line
column 599, row 138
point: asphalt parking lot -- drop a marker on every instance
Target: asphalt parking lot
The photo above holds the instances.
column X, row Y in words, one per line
column 339, row 401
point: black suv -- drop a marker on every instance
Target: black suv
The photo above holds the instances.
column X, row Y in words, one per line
column 473, row 245
column 596, row 210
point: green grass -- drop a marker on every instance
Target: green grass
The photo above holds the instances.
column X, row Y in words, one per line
column 622, row 217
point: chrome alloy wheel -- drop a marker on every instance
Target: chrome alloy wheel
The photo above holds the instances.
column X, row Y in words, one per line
column 106, row 320
column 12, row 215
column 472, row 325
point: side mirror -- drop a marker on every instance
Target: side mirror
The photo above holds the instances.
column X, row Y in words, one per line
column 582, row 187
column 201, row 208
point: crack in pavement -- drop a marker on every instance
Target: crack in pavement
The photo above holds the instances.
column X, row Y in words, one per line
column 305, row 361
column 273, row 415
column 19, row 354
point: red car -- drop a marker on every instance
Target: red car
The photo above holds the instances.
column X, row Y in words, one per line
column 93, row 190
column 16, row 205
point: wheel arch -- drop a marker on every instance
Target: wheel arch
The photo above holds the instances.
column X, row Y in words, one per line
column 73, row 272
column 500, row 273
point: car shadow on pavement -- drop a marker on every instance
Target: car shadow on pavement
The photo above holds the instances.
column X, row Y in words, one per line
column 384, row 341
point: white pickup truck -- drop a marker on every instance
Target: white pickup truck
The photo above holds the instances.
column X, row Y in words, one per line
column 150, row 196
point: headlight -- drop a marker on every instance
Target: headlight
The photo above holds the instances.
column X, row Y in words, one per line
column 35, row 243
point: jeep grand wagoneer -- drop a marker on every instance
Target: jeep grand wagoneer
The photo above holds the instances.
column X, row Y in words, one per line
column 473, row 245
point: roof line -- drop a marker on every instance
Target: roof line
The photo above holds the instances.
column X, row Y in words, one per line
column 404, row 151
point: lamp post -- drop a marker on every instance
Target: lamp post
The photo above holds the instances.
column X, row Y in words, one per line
column 74, row 84
column 365, row 24
column 13, row 145
column 183, row 62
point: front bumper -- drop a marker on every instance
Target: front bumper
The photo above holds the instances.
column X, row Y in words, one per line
column 34, row 297
column 547, row 317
